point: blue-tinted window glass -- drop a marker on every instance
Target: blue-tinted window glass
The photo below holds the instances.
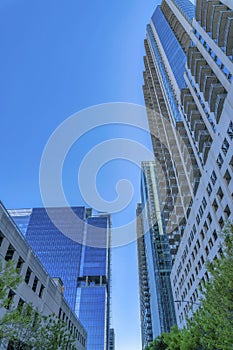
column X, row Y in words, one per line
column 167, row 85
column 186, row 7
column 91, row 309
column 175, row 54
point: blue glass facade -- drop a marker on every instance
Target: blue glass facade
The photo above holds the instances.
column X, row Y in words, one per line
column 83, row 268
column 166, row 82
column 175, row 55
column 157, row 252
column 186, row 7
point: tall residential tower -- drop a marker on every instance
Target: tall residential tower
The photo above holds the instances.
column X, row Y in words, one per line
column 189, row 99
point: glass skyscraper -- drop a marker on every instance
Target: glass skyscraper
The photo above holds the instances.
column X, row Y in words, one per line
column 154, row 260
column 188, row 95
column 73, row 256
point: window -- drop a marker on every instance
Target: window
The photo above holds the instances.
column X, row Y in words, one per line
column 20, row 303
column 213, row 177
column 201, row 211
column 230, row 130
column 205, row 226
column 1, row 238
column 198, row 219
column 227, row 177
column 11, row 295
column 41, row 291
column 215, row 205
column 19, row 264
column 204, row 203
column 35, row 284
column 219, row 160
column 194, row 229
column 221, row 222
column 211, row 243
column 225, row 146
column 220, row 193
column 209, row 218
column 202, row 234
column 9, row 253
column 207, row 250
column 231, row 163
column 227, row 211
column 209, row 189
column 215, row 236
column 28, row 275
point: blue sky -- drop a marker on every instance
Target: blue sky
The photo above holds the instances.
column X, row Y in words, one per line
column 58, row 57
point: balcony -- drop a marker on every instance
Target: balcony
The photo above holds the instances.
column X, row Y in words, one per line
column 194, row 117
column 205, row 150
column 222, row 24
column 205, row 70
column 191, row 51
column 215, row 90
column 203, row 137
column 215, row 18
column 197, row 127
column 208, row 81
column 198, row 9
column 200, row 62
column 189, row 107
column 219, row 106
column 209, row 14
column 195, row 56
column 228, row 40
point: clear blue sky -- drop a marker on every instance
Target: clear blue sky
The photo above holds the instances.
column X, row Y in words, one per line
column 58, row 57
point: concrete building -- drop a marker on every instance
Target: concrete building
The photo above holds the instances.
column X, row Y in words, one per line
column 189, row 98
column 37, row 287
column 74, row 245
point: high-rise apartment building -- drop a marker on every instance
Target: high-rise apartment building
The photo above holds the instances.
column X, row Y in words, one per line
column 77, row 250
column 154, row 260
column 189, row 99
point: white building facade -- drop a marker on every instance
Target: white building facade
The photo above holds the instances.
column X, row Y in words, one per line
column 205, row 124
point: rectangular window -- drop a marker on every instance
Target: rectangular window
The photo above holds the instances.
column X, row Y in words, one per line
column 28, row 275
column 11, row 295
column 19, row 264
column 34, row 286
column 220, row 193
column 1, row 238
column 41, row 291
column 9, row 253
